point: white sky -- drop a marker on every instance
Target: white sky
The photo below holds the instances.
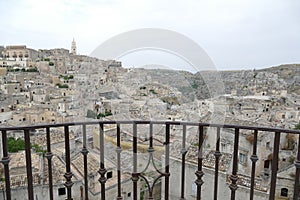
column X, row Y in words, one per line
column 236, row 34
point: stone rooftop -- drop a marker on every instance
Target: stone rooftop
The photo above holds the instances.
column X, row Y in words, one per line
column 245, row 181
column 56, row 135
column 18, row 176
column 209, row 158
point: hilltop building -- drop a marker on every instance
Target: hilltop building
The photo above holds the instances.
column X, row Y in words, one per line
column 17, row 56
column 73, row 47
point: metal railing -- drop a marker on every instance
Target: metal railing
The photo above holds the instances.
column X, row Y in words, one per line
column 164, row 173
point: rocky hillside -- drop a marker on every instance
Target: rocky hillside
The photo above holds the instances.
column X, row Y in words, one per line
column 244, row 82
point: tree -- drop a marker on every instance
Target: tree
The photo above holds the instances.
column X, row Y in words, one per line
column 15, row 145
column 297, row 127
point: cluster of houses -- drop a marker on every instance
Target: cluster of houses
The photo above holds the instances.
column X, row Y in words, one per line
column 56, row 85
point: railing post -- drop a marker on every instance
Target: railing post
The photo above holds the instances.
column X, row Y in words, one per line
column 199, row 173
column 68, row 175
column 274, row 165
column 49, row 156
column 233, row 177
column 167, row 161
column 135, row 175
column 297, row 165
column 28, row 164
column 254, row 159
column 217, row 155
column 151, row 151
column 183, row 154
column 85, row 152
column 119, row 150
column 5, row 161
column 102, row 171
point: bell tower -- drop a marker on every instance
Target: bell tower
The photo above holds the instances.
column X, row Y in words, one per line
column 73, row 47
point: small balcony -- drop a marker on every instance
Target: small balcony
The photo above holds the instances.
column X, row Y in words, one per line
column 143, row 160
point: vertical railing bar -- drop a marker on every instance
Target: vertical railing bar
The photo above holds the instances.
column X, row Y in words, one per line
column 150, row 151
column 49, row 156
column 151, row 136
column 217, row 156
column 68, row 175
column 28, row 164
column 167, row 161
column 5, row 161
column 119, row 149
column 297, row 165
column 102, row 171
column 274, row 165
column 135, row 176
column 85, row 152
column 183, row 154
column 199, row 173
column 233, row 177
column 254, row 159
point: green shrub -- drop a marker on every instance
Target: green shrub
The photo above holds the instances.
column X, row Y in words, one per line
column 32, row 70
column 104, row 114
column 91, row 114
column 153, row 91
column 15, row 145
column 62, row 85
column 297, row 127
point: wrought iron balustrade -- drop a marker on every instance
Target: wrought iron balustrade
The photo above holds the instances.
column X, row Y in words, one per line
column 164, row 172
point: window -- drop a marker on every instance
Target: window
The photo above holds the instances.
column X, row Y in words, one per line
column 129, row 194
column 284, row 192
column 109, row 175
column 267, row 164
column 268, row 144
column 61, row 191
column 242, row 158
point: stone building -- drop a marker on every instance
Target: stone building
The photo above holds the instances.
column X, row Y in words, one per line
column 19, row 52
column 11, row 88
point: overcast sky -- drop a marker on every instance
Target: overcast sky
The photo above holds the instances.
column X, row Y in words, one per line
column 236, row 34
